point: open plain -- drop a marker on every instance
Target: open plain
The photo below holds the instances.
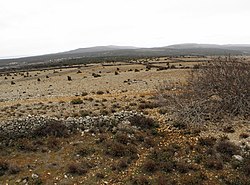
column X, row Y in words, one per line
column 137, row 140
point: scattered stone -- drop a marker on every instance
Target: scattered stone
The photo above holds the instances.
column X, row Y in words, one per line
column 238, row 157
column 34, row 176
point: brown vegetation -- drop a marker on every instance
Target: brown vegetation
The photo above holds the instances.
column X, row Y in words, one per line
column 214, row 91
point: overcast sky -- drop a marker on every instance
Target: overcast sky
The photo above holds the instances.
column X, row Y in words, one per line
column 32, row 27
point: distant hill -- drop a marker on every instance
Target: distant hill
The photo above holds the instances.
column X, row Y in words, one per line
column 98, row 49
column 193, row 45
column 129, row 51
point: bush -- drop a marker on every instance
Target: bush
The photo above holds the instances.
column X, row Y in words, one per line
column 149, row 142
column 101, row 138
column 163, row 155
column 26, row 145
column 236, row 180
column 229, row 80
column 84, row 152
column 76, row 169
column 53, row 143
column 116, row 149
column 244, row 135
column 227, row 148
column 207, row 141
column 140, row 180
column 215, row 164
column 4, row 166
column 54, row 128
column 76, row 101
column 104, row 112
column 246, row 166
column 121, row 165
column 228, row 129
column 182, row 167
column 84, row 94
column 162, row 111
column 99, row 92
column 99, row 175
column 164, row 158
column 215, row 90
column 194, row 179
column 150, row 166
column 84, row 113
column 173, row 67
column 164, row 180
column 36, row 181
column 69, row 78
column 167, row 166
column 148, row 105
column 13, row 169
column 143, row 122
column 179, row 125
column 122, row 138
column 96, row 75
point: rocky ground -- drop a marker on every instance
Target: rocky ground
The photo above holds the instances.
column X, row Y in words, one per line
column 50, row 92
column 103, row 124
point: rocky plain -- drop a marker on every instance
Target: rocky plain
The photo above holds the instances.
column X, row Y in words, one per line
column 109, row 123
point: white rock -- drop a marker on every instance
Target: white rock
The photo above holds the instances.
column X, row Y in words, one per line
column 34, row 176
column 238, row 157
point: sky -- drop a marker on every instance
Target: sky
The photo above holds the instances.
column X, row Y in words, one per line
column 35, row 27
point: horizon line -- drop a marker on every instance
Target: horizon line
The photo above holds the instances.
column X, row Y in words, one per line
column 136, row 47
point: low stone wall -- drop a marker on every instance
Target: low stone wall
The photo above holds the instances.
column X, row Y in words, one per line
column 24, row 127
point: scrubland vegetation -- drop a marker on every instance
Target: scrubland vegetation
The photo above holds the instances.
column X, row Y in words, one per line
column 220, row 89
column 190, row 130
